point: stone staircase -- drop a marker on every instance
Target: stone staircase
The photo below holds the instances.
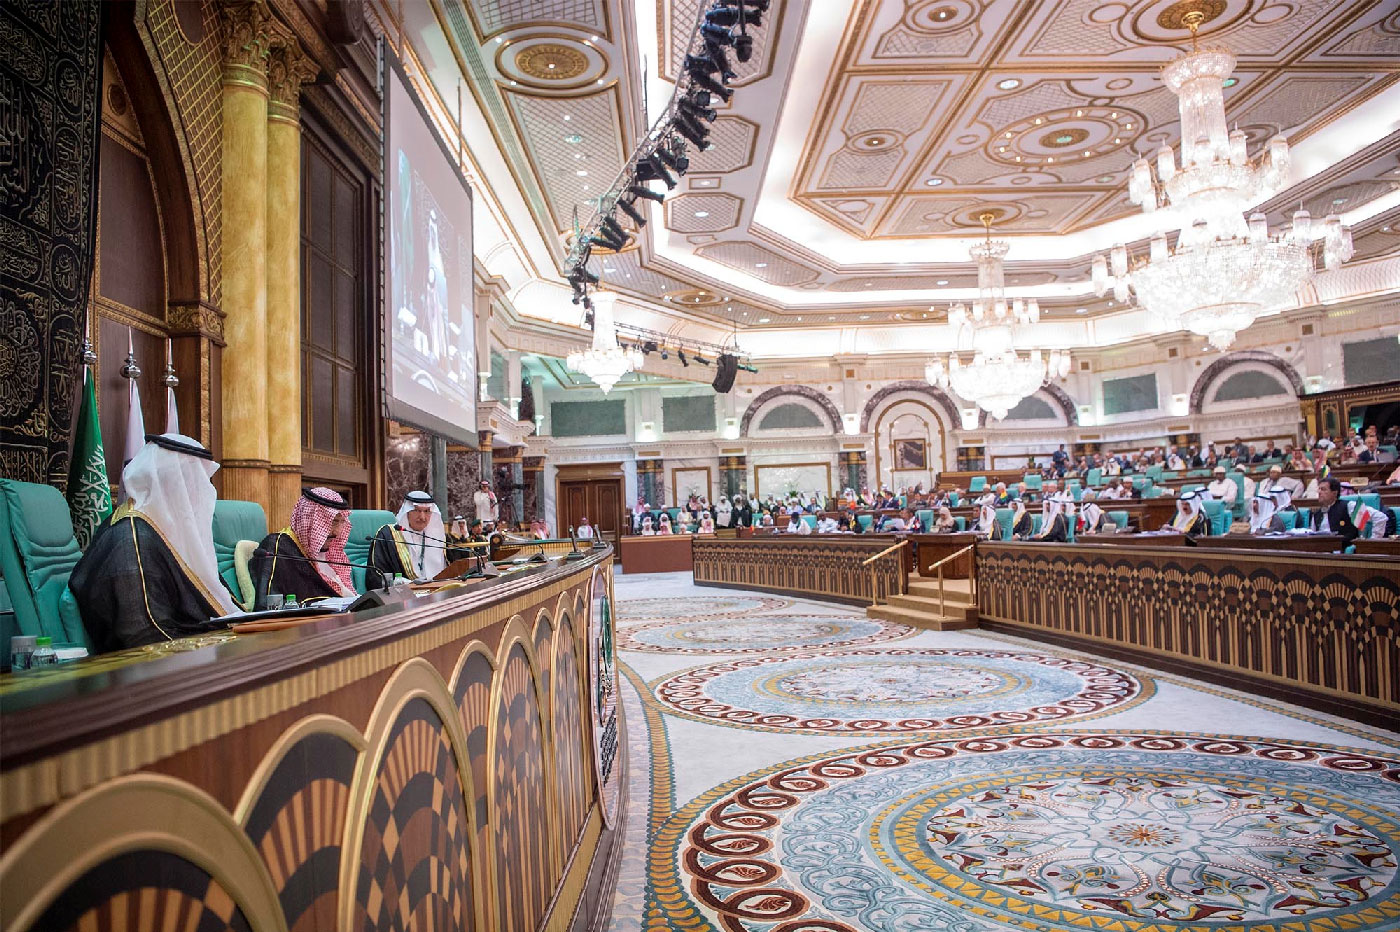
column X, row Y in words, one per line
column 921, row 608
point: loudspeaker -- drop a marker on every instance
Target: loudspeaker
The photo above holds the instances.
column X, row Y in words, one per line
column 726, row 368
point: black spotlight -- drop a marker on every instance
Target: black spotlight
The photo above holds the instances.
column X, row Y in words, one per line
column 726, row 367
column 641, row 190
column 701, row 360
column 664, row 354
column 588, row 319
column 653, row 169
column 743, row 47
column 680, row 354
column 695, row 110
column 713, row 32
column 627, row 208
column 713, row 86
column 580, row 274
column 691, row 130
column 648, row 347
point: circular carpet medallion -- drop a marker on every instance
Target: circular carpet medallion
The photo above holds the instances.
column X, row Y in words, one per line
column 631, row 610
column 1128, row 832
column 897, row 690
column 757, row 634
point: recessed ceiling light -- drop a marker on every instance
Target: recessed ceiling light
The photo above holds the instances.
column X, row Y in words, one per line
column 865, row 317
column 763, row 320
column 831, row 318
column 597, row 39
column 1231, row 82
column 941, row 281
column 1385, row 229
column 1336, row 201
column 934, row 182
column 573, row 139
column 568, row 117
column 702, row 213
column 799, row 319
column 610, row 271
column 760, row 265
column 514, row 84
column 500, row 39
column 1081, row 310
column 868, row 284
column 1009, row 84
column 582, row 173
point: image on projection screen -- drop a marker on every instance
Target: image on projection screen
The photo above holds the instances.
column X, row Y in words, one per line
column 430, row 327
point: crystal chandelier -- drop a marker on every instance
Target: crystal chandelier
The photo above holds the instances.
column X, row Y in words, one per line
column 997, row 378
column 1225, row 271
column 605, row 361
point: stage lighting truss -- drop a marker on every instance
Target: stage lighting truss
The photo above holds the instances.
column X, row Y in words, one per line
column 723, row 35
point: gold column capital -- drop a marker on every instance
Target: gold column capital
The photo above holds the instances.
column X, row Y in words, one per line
column 288, row 67
column 247, row 39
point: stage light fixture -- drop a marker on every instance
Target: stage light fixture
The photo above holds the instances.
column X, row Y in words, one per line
column 713, row 86
column 651, row 168
column 696, row 110
column 715, row 33
column 664, row 354
column 701, row 360
column 648, row 347
column 674, row 157
column 743, row 47
column 691, row 130
column 638, row 190
column 680, row 354
column 627, row 208
column 580, row 274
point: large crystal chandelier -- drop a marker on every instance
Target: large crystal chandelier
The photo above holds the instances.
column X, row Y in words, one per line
column 1225, row 271
column 998, row 377
column 605, row 361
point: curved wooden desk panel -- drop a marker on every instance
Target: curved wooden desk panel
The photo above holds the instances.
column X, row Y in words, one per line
column 656, row 553
column 1316, row 629
column 827, row 567
column 450, row 763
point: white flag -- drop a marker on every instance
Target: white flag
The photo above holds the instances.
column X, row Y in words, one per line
column 135, row 423
column 172, row 417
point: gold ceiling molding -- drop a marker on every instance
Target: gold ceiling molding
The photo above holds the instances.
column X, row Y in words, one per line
column 491, row 18
column 551, row 62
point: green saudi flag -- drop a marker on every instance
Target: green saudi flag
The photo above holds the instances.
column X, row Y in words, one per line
column 89, row 495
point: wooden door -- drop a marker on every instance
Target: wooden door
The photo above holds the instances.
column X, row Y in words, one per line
column 600, row 500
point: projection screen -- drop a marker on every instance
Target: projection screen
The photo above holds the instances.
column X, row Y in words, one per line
column 429, row 320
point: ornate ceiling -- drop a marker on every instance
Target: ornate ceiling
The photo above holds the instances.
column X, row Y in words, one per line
column 866, row 135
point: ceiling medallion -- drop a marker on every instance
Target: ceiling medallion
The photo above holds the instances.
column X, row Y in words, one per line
column 1225, row 271
column 941, row 16
column 696, row 297
column 874, row 141
column 1174, row 16
column 550, row 62
column 1062, row 138
column 997, row 378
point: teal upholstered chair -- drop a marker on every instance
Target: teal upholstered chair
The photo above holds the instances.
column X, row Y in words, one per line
column 1197, row 473
column 810, row 521
column 1033, row 481
column 1394, row 529
column 1141, row 483
column 1077, row 491
column 1241, row 500
column 904, row 501
column 1004, row 516
column 1095, row 477
column 235, row 521
column 1036, row 523
column 978, row 484
column 363, row 523
column 925, row 516
column 1119, row 518
column 1304, row 517
column 37, row 555
column 866, row 522
column 961, row 523
column 954, row 499
column 1170, row 474
column 1154, row 472
column 1218, row 517
column 674, row 513
column 1289, row 519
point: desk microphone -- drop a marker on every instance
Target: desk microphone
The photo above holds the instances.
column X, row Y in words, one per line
column 260, row 552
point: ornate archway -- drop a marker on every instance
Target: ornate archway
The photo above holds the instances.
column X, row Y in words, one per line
column 940, row 397
column 1215, row 370
column 800, row 391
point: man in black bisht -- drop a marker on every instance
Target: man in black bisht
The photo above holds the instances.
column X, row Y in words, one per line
column 414, row 546
column 151, row 574
column 307, row 558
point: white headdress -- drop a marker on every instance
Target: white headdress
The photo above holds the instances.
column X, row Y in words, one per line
column 426, row 548
column 168, row 482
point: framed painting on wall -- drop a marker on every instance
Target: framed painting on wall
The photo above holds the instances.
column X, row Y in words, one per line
column 910, row 454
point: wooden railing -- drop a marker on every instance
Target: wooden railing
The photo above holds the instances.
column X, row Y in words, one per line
column 971, row 578
column 900, row 577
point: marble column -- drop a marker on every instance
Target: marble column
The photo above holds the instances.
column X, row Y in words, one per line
column 244, row 472
column 853, row 462
column 533, row 469
column 732, row 471
column 287, row 69
column 511, row 474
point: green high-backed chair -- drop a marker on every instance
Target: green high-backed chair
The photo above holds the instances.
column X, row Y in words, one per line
column 1095, row 477
column 1004, row 516
column 1119, row 518
column 1034, row 481
column 866, row 522
column 810, row 521
column 1289, row 519
column 236, row 521
column 977, row 484
column 960, row 523
column 1154, row 472
column 37, row 555
column 954, row 499
column 1217, row 516
column 363, row 523
column 1036, row 524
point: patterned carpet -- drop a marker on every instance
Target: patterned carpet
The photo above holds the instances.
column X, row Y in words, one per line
column 822, row 772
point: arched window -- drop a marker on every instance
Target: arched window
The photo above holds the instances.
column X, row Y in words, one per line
column 1249, row 383
column 1032, row 408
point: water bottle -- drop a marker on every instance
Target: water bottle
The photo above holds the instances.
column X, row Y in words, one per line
column 290, row 601
column 21, row 649
column 43, row 655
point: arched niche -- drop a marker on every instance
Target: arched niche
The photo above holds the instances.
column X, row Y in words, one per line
column 828, row 418
column 1208, row 384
